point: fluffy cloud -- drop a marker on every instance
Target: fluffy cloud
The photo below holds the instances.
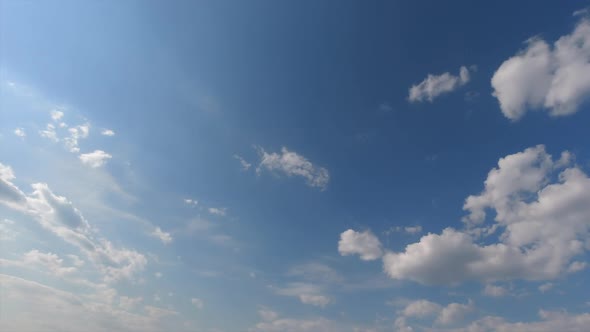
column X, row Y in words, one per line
column 550, row 322
column 20, row 132
column 58, row 215
column 31, row 306
column 57, row 115
column 272, row 322
column 95, row 159
column 436, row 85
column 451, row 314
column 129, row 303
column 544, row 225
column 365, row 244
column 306, row 292
column 49, row 133
column 76, row 133
column 293, row 164
column 422, row 309
column 245, row 165
column 543, row 77
column 495, row 291
column 217, row 211
column 107, row 132
column 165, row 237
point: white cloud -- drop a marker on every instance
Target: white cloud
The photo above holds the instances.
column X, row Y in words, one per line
column 107, row 132
column 198, row 303
column 20, row 132
column 545, row 226
column 31, row 306
column 245, row 165
column 545, row 287
column 436, row 85
column 543, row 77
column 293, row 164
column 364, row 244
column 165, row 237
column 450, row 314
column 95, row 159
column 76, row 133
column 576, row 267
column 158, row 275
column 495, row 291
column 191, row 202
column 307, row 293
column 454, row 313
column 49, row 133
column 316, row 300
column 129, row 303
column 217, row 211
column 550, row 322
column 6, row 232
column 272, row 322
column 422, row 309
column 58, row 215
column 56, row 115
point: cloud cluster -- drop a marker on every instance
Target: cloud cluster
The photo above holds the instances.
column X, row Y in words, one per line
column 58, row 215
column 542, row 209
column 555, row 78
column 293, row 164
column 435, row 85
column 365, row 244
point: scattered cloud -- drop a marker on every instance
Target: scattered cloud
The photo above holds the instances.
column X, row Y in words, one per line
column 451, row 314
column 129, row 303
column 495, row 291
column 191, row 202
column 544, row 222
column 436, row 85
column 545, row 287
column 58, row 215
column 217, row 211
column 165, row 237
column 245, row 165
column 365, row 244
column 293, row 164
column 56, row 115
column 20, row 132
column 76, row 133
column 554, row 78
column 49, row 133
column 307, row 293
column 107, row 132
column 95, row 159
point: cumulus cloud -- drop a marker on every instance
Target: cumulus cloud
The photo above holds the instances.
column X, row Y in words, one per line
column 57, row 115
column 76, row 133
column 542, row 211
column 293, row 164
column 49, row 133
column 191, row 202
column 165, row 237
column 365, row 244
column 436, row 85
column 107, row 132
column 554, row 78
column 37, row 307
column 495, row 291
column 451, row 314
column 129, row 303
column 95, row 159
column 59, row 215
column 272, row 322
column 217, row 211
column 20, row 132
column 307, row 293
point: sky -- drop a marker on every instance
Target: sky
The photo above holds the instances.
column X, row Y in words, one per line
column 317, row 166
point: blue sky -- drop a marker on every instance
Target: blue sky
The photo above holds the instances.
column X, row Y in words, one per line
column 294, row 166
